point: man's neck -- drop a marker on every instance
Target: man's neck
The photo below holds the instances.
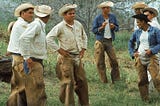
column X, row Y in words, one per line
column 69, row 22
column 145, row 28
column 105, row 15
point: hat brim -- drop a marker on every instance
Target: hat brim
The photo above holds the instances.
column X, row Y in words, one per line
column 141, row 17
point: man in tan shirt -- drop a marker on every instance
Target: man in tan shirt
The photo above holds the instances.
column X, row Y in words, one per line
column 72, row 41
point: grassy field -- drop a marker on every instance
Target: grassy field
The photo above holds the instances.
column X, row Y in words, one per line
column 122, row 93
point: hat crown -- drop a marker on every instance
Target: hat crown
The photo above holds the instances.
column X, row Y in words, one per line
column 44, row 9
column 139, row 4
column 106, row 4
column 66, row 7
column 22, row 7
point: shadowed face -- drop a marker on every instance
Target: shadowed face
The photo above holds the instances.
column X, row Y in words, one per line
column 69, row 15
column 28, row 15
column 106, row 10
column 138, row 11
column 150, row 16
column 140, row 23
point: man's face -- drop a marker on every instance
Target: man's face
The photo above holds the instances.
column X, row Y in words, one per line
column 28, row 15
column 140, row 23
column 138, row 11
column 149, row 15
column 106, row 10
column 70, row 15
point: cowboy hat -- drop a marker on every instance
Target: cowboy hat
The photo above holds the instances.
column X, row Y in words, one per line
column 10, row 26
column 21, row 8
column 139, row 5
column 141, row 17
column 65, row 8
column 153, row 10
column 42, row 10
column 106, row 4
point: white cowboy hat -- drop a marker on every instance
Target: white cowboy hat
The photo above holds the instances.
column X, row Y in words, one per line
column 139, row 5
column 42, row 10
column 106, row 4
column 21, row 8
column 65, row 8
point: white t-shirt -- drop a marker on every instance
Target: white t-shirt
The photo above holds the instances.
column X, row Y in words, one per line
column 107, row 33
column 144, row 44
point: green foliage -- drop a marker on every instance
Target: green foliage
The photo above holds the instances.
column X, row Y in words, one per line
column 121, row 40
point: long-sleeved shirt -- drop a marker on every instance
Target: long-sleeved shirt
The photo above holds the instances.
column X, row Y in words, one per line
column 71, row 38
column 98, row 23
column 33, row 40
column 153, row 39
column 18, row 28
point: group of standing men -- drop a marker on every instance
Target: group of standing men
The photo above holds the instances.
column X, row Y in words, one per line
column 28, row 47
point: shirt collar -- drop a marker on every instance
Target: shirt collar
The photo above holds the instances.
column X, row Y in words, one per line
column 71, row 26
column 21, row 19
column 43, row 24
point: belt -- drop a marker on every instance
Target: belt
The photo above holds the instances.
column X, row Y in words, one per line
column 37, row 60
column 73, row 53
column 16, row 54
column 107, row 38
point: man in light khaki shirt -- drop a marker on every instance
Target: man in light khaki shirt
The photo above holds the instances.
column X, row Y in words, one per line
column 72, row 45
column 33, row 49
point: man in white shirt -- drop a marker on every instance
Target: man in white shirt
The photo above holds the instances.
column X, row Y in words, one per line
column 72, row 41
column 33, row 48
column 24, row 12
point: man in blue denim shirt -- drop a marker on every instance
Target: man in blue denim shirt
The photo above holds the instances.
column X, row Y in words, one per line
column 148, row 44
column 104, row 26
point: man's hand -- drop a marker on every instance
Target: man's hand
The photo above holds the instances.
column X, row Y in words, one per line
column 136, row 54
column 148, row 52
column 112, row 26
column 63, row 52
column 82, row 53
column 29, row 62
column 103, row 26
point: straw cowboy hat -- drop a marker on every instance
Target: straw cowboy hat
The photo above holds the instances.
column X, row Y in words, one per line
column 42, row 11
column 10, row 26
column 106, row 4
column 139, row 5
column 21, row 8
column 155, row 12
column 65, row 8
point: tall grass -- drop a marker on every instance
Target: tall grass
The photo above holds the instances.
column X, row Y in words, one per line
column 122, row 93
